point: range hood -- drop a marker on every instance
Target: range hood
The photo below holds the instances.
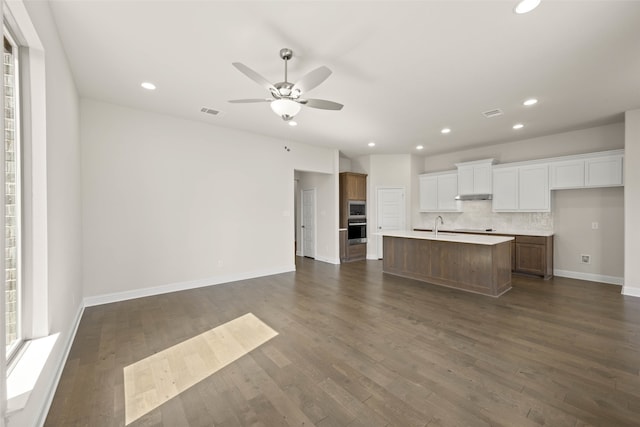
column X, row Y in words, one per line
column 474, row 197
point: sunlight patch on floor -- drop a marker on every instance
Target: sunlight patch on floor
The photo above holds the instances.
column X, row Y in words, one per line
column 154, row 380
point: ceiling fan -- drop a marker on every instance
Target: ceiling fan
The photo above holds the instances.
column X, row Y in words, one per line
column 286, row 98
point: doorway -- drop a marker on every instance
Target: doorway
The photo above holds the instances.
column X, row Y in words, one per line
column 390, row 213
column 309, row 223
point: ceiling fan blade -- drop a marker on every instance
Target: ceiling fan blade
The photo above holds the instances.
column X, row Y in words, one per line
column 312, row 79
column 254, row 76
column 249, row 101
column 321, row 104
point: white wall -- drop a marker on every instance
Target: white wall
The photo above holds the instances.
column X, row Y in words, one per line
column 632, row 203
column 602, row 138
column 327, row 245
column 170, row 203
column 574, row 211
column 345, row 164
column 571, row 225
column 64, row 210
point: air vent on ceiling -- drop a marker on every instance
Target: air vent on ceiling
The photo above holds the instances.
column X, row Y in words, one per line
column 493, row 113
column 211, row 111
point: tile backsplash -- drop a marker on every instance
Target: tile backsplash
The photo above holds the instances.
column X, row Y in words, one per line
column 478, row 214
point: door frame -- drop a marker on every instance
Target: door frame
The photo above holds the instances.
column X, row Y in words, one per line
column 315, row 222
column 377, row 227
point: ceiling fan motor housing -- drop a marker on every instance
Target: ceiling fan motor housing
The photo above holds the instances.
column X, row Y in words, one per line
column 285, row 90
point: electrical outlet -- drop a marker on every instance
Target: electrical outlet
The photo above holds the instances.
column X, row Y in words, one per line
column 594, row 225
column 585, row 259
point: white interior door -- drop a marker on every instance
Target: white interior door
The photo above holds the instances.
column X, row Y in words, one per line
column 391, row 213
column 309, row 223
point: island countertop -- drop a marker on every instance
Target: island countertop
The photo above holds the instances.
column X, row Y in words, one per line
column 476, row 239
column 489, row 231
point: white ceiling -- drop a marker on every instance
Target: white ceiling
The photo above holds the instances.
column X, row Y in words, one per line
column 403, row 70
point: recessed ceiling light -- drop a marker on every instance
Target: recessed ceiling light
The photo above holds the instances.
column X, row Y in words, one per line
column 148, row 86
column 526, row 6
column 419, row 147
column 445, row 130
column 518, row 126
column 530, row 101
column 371, row 144
column 292, row 123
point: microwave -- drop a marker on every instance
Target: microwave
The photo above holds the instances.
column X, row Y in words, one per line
column 357, row 209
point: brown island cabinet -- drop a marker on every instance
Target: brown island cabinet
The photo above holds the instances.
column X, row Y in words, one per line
column 473, row 263
column 530, row 254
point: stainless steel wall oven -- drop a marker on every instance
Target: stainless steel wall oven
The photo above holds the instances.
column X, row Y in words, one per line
column 356, row 231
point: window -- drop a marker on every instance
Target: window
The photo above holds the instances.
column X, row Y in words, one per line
column 12, row 200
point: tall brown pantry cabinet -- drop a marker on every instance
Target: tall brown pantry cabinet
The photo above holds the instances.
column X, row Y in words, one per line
column 353, row 187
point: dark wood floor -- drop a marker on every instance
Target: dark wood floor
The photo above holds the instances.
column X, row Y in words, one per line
column 360, row 348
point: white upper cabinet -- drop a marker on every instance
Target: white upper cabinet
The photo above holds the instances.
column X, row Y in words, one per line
column 475, row 177
column 566, row 174
column 428, row 193
column 522, row 188
column 533, row 188
column 505, row 189
column 438, row 192
column 602, row 169
column 447, row 192
column 605, row 171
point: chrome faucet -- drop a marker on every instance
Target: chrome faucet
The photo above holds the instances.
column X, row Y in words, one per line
column 435, row 228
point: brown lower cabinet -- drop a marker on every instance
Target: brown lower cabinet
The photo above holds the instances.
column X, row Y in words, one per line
column 531, row 255
column 349, row 252
column 483, row 269
column 356, row 252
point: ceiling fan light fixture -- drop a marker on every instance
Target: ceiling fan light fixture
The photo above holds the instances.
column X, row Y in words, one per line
column 285, row 108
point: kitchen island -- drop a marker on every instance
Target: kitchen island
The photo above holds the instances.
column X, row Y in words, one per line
column 469, row 262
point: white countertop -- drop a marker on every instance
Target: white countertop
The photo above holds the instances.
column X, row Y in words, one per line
column 502, row 231
column 477, row 239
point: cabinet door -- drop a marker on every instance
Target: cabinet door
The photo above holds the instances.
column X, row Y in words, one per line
column 465, row 180
column 482, row 179
column 505, row 189
column 530, row 258
column 533, row 188
column 352, row 188
column 428, row 193
column 360, row 187
column 447, row 191
column 567, row 174
column 603, row 171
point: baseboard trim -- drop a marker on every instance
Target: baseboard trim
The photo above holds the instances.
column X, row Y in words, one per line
column 612, row 280
column 328, row 260
column 60, row 367
column 631, row 291
column 373, row 257
column 182, row 286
